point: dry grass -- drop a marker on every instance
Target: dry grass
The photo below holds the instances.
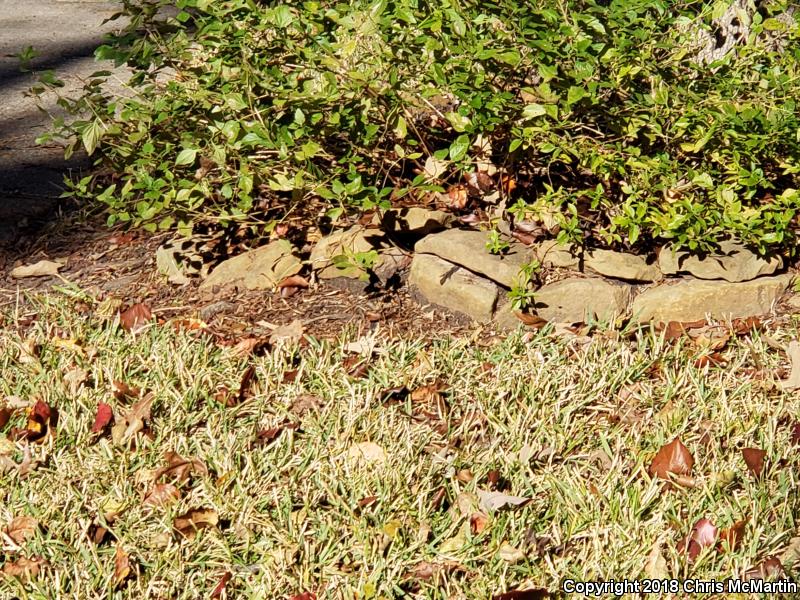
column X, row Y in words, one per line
column 372, row 499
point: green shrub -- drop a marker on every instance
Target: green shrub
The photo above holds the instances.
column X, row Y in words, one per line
column 598, row 111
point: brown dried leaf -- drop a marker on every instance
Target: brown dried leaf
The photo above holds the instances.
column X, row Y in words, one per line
column 133, row 422
column 24, row 568
column 246, row 384
column 733, row 535
column 457, row 196
column 492, row 501
column 136, row 317
column 189, row 523
column 179, row 468
column 673, row 458
column 220, row 587
column 5, row 416
column 304, row 596
column 21, row 528
column 745, row 326
column 754, row 459
column 770, row 568
column 249, row 345
column 529, row 320
column 122, row 566
column 161, row 495
column 123, row 391
column 675, row 329
column 305, row 403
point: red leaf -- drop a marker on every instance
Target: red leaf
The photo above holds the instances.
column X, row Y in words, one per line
column 223, row 581
column 135, row 317
column 754, row 459
column 770, row 568
column 795, row 435
column 304, row 596
column 5, row 416
column 103, row 417
column 704, row 534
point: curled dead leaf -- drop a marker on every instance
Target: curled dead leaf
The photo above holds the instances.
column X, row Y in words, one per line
column 162, row 494
column 221, row 585
column 491, row 501
column 135, row 318
column 22, row 528
column 103, row 418
column 189, row 523
column 122, row 566
column 769, row 568
column 123, row 391
column 731, row 538
column 24, row 568
column 179, row 468
column 133, row 422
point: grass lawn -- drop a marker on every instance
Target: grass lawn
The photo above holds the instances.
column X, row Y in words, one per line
column 402, row 477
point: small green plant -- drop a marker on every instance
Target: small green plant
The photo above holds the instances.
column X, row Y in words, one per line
column 521, row 294
column 362, row 262
column 495, row 244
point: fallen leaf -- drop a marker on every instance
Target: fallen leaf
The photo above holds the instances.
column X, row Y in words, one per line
column 793, row 382
column 478, row 522
column 74, row 379
column 123, row 391
column 43, row 268
column 24, row 568
column 133, row 422
column 41, row 418
column 733, row 535
column 179, row 468
column 367, row 452
column 220, row 587
column 770, row 568
column 394, row 395
column 715, row 359
column 510, row 554
column 290, row 334
column 745, row 326
column 290, row 285
column 675, row 329
column 189, row 523
column 491, row 501
column 249, row 345
column 703, row 535
column 304, row 596
column 122, row 566
column 188, row 324
column 305, row 403
column 531, row 320
column 246, row 384
column 21, row 528
column 5, row 416
column 103, row 418
column 656, row 565
column 161, row 495
column 356, row 366
column 754, row 459
column 28, row 464
column 531, row 594
column 136, row 317
column 673, row 458
column 457, row 196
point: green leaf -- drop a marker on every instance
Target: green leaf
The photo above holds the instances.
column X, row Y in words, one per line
column 458, row 149
column 91, row 135
column 575, row 94
column 185, row 157
column 534, row 110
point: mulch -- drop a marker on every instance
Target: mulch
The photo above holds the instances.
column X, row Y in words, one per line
column 120, row 264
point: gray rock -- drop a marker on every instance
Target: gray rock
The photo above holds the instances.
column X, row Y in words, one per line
column 415, row 219
column 622, row 266
column 167, row 264
column 505, row 318
column 468, row 249
column 259, row 269
column 693, row 299
column 552, row 254
column 578, row 299
column 733, row 263
column 453, row 287
column 345, row 245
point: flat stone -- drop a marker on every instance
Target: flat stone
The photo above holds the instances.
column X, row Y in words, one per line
column 579, row 299
column 552, row 254
column 415, row 220
column 693, row 299
column 505, row 317
column 468, row 249
column 621, row 265
column 345, row 244
column 453, row 287
column 259, row 269
column 733, row 263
